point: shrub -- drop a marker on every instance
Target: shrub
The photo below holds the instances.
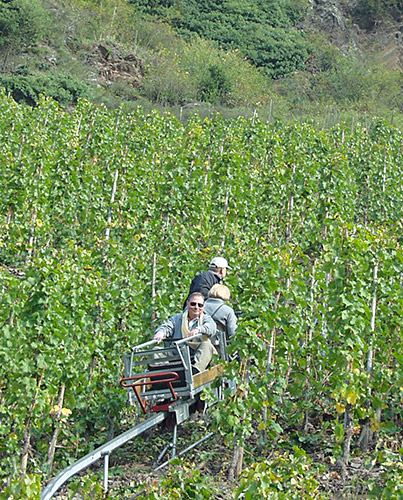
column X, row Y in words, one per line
column 22, row 22
column 179, row 73
column 288, row 476
column 184, row 481
column 214, row 85
column 27, row 88
column 277, row 52
column 23, row 488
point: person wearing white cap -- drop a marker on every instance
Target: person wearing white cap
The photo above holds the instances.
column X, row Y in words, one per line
column 204, row 281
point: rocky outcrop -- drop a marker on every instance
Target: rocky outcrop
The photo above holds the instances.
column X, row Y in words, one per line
column 112, row 66
column 335, row 19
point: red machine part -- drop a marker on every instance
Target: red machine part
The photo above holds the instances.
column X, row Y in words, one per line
column 138, row 381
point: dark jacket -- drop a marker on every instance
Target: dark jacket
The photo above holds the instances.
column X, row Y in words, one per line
column 203, row 282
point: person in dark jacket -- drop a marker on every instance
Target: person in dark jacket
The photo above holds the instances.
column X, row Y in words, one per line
column 216, row 306
column 204, row 281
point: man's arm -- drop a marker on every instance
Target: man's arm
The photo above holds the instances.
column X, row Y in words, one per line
column 209, row 326
column 165, row 330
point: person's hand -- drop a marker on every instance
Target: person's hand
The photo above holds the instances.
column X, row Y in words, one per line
column 195, row 331
column 158, row 337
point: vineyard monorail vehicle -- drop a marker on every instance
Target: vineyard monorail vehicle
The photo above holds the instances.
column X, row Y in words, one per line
column 164, row 387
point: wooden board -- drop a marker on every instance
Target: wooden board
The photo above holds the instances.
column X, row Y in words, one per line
column 207, row 376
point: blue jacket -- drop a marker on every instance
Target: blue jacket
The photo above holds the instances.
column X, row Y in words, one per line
column 222, row 314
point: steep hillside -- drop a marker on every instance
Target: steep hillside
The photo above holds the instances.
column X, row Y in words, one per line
column 98, row 206
column 382, row 39
column 286, row 60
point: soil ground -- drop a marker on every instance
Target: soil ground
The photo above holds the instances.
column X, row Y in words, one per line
column 132, row 467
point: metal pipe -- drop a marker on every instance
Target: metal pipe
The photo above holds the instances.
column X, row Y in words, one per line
column 178, row 343
column 100, row 452
column 146, row 344
column 106, row 470
column 208, row 436
column 187, row 339
column 174, row 437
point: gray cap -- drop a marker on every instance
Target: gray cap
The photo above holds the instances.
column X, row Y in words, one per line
column 219, row 262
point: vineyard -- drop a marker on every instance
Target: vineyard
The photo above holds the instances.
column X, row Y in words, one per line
column 105, row 219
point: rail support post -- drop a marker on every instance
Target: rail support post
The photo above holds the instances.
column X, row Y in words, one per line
column 171, row 445
column 106, row 470
column 174, row 437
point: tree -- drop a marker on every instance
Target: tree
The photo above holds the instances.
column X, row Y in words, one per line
column 22, row 24
column 214, row 85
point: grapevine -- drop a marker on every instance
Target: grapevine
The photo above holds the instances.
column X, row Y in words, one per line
column 105, row 219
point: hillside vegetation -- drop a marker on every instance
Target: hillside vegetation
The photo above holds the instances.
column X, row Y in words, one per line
column 311, row 222
column 282, row 59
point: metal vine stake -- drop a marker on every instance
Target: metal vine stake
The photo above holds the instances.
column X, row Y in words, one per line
column 370, row 356
column 365, row 432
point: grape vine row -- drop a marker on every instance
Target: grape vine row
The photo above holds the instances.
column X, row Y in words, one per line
column 309, row 219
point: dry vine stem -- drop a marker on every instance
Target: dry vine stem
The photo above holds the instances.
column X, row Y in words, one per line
column 52, row 446
column 237, row 458
column 27, row 430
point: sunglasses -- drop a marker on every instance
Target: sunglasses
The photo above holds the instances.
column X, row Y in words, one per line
column 194, row 304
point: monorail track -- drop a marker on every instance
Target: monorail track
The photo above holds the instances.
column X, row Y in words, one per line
column 104, row 452
column 171, row 389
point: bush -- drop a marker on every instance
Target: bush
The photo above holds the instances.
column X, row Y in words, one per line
column 236, row 81
column 27, row 88
column 277, row 52
column 179, row 72
column 22, row 22
column 288, row 476
column 214, row 85
column 185, row 482
column 23, row 488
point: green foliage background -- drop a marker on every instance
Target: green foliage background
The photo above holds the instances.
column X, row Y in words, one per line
column 230, row 57
column 303, row 214
column 261, row 30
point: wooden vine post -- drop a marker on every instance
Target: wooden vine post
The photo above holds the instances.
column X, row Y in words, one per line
column 58, row 425
column 269, row 361
column 236, row 465
column 27, row 430
column 154, row 273
column 308, row 340
column 290, row 207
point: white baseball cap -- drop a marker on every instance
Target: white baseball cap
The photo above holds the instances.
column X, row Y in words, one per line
column 219, row 262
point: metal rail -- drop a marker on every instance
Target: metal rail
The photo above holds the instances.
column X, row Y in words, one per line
column 207, row 436
column 102, row 452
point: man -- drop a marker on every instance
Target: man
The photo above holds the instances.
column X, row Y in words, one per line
column 216, row 273
column 191, row 322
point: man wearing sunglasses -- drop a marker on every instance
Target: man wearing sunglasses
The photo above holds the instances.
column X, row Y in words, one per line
column 191, row 321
